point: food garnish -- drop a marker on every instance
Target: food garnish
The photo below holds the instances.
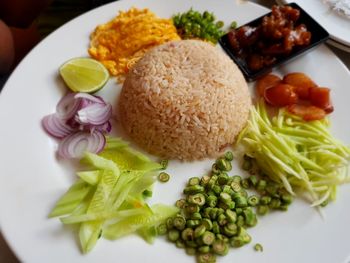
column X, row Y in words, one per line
column 303, row 156
column 121, row 42
column 80, row 121
column 84, row 75
column 217, row 210
column 258, row 247
column 108, row 199
column 163, row 177
column 193, row 24
column 277, row 35
column 164, row 163
column 298, row 92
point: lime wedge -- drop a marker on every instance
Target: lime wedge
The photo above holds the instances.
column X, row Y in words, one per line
column 84, row 74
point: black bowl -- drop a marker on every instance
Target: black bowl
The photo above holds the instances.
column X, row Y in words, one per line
column 318, row 36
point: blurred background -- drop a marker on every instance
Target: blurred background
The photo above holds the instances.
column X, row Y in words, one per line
column 25, row 23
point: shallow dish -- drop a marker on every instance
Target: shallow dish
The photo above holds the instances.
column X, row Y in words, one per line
column 32, row 179
column 318, row 36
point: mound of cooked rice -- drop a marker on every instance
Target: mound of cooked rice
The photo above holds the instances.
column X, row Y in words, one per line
column 184, row 100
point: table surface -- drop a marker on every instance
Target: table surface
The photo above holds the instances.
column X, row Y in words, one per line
column 7, row 256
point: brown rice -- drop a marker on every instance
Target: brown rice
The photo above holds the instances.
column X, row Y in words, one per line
column 185, row 100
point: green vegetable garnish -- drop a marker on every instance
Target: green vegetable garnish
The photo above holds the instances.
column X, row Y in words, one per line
column 109, row 199
column 258, row 247
column 193, row 24
column 163, row 177
column 299, row 155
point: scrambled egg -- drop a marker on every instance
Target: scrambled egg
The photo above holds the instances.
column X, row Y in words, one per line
column 120, row 43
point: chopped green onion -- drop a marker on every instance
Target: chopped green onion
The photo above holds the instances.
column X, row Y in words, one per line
column 241, row 201
column 164, row 164
column 192, row 223
column 180, row 243
column 225, row 198
column 162, row 229
column 230, row 229
column 253, row 200
column 236, row 186
column 231, row 215
column 196, row 216
column 187, row 234
column 233, row 25
column 147, row 193
column 163, row 177
column 173, row 235
column 223, row 165
column 223, row 178
column 179, row 222
column 197, row 199
column 258, row 247
column 193, row 181
column 262, row 209
column 212, row 200
column 265, row 200
column 193, row 189
column 199, row 231
column 192, row 208
column 220, row 247
column 204, row 249
column 190, row 251
column 253, row 180
column 181, row 203
column 228, row 156
column 206, row 258
column 207, row 223
column 245, row 183
column 222, row 220
column 208, row 238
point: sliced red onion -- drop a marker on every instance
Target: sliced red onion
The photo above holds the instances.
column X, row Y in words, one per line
column 95, row 114
column 74, row 124
column 92, row 98
column 68, row 106
column 56, row 126
column 81, row 121
column 76, row 144
column 105, row 128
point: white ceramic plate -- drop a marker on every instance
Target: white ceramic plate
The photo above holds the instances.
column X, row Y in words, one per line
column 32, row 179
column 337, row 26
column 338, row 45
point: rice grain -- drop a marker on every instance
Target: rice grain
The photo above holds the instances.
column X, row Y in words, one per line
column 184, row 100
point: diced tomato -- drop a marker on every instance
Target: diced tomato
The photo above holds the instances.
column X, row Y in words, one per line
column 266, row 82
column 301, row 82
column 320, row 97
column 281, row 95
column 307, row 112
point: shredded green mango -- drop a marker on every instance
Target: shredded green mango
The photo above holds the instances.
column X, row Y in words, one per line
column 304, row 156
